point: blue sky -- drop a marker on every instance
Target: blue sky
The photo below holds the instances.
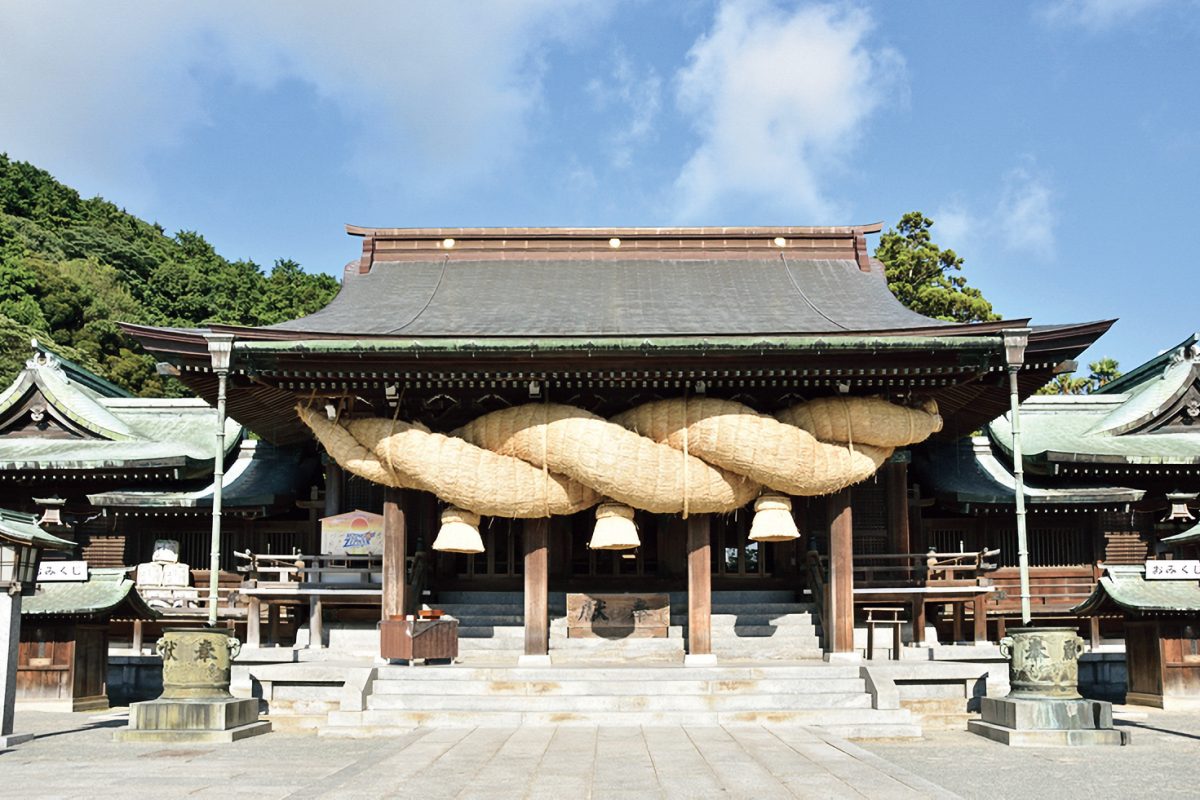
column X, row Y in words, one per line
column 1056, row 145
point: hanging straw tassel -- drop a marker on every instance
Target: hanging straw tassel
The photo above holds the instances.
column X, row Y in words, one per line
column 614, row 528
column 773, row 521
column 459, row 532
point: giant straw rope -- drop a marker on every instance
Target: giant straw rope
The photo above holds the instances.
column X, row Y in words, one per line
column 670, row 456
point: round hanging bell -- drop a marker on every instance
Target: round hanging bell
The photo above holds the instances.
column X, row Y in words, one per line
column 773, row 520
column 459, row 532
column 614, row 528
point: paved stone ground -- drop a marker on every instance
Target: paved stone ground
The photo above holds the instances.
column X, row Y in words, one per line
column 1160, row 763
column 74, row 756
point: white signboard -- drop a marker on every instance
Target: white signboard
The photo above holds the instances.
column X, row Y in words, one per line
column 62, row 571
column 1173, row 570
column 355, row 533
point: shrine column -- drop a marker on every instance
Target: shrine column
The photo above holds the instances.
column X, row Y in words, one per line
column 536, row 539
column 896, row 475
column 395, row 552
column 839, row 605
column 699, row 560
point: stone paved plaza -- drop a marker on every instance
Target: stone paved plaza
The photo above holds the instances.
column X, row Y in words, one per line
column 74, row 756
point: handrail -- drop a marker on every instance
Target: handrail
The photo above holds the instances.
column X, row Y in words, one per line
column 816, row 587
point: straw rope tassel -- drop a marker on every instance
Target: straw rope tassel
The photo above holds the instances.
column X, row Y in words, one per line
column 685, row 456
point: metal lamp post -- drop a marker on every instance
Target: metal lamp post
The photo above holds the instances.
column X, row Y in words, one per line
column 1015, row 342
column 220, row 349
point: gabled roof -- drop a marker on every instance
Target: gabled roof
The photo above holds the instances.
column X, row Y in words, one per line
column 262, row 477
column 104, row 592
column 23, row 529
column 1143, row 418
column 57, row 415
column 967, row 473
column 1125, row 588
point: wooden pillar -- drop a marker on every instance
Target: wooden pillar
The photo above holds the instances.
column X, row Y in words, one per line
column 896, row 474
column 254, row 622
column 273, row 624
column 699, row 559
column 395, row 577
column 918, row 620
column 840, row 605
column 956, row 615
column 333, row 488
column 979, row 626
column 536, row 538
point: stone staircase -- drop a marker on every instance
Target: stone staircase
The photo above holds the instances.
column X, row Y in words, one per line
column 828, row 696
column 746, row 626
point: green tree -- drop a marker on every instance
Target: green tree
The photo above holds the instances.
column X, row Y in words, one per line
column 1102, row 371
column 925, row 277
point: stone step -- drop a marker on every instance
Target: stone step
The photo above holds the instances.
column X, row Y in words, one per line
column 762, row 631
column 610, row 688
column 812, row 671
column 601, row 703
column 864, row 722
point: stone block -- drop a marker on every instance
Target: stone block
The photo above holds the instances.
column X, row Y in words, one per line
column 192, row 737
column 1048, row 738
column 176, row 575
column 166, row 551
column 150, row 574
column 193, row 714
column 1063, row 715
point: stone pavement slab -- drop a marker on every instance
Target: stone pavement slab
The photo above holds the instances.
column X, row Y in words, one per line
column 74, row 755
column 1158, row 764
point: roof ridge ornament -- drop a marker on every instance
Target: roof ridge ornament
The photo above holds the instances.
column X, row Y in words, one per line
column 42, row 358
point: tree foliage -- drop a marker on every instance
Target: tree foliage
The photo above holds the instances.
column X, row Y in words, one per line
column 71, row 268
column 1102, row 371
column 925, row 277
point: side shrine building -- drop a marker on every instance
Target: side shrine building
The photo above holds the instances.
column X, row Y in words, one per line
column 660, row 420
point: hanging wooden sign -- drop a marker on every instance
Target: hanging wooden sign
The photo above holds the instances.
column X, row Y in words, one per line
column 617, row 616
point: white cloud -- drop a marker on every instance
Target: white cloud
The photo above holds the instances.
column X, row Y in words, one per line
column 1094, row 15
column 637, row 94
column 1021, row 218
column 779, row 98
column 436, row 91
column 955, row 227
column 1025, row 217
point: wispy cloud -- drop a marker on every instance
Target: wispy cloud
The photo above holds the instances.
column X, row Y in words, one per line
column 634, row 96
column 1094, row 15
column 435, row 91
column 1021, row 219
column 779, row 98
column 1025, row 216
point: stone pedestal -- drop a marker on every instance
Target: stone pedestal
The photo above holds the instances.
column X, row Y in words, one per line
column 224, row 720
column 195, row 705
column 1046, row 722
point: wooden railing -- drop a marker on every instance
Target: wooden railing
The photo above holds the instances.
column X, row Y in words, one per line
column 815, row 574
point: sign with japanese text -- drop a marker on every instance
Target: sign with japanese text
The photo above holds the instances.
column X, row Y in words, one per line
column 1173, row 570
column 355, row 533
column 618, row 616
column 62, row 571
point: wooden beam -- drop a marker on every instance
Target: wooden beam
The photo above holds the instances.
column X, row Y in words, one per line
column 840, row 605
column 395, row 553
column 536, row 537
column 699, row 560
column 896, row 475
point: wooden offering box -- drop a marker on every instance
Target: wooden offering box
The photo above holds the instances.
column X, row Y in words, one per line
column 409, row 639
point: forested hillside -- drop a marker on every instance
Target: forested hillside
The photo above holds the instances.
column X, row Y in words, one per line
column 71, row 268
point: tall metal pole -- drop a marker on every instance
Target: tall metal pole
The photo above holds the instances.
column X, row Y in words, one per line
column 1014, row 348
column 220, row 348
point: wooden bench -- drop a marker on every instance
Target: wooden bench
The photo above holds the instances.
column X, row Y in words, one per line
column 890, row 616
